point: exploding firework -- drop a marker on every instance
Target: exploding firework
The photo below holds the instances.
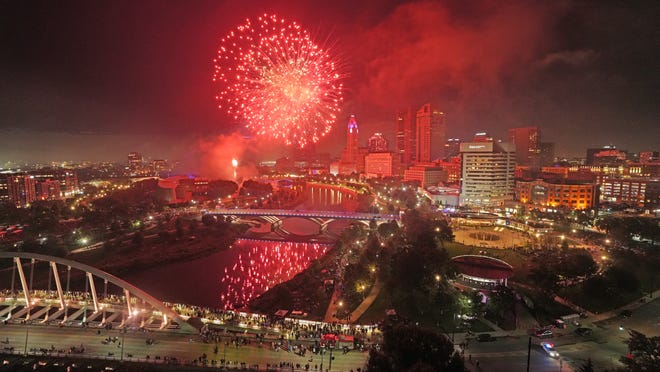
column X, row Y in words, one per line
column 278, row 81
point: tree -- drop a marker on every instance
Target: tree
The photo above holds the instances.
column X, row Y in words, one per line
column 178, row 224
column 502, row 301
column 138, row 239
column 444, row 232
column 622, row 278
column 221, row 188
column 643, row 352
column 411, row 348
column 587, row 366
column 545, row 278
column 388, row 229
column 578, row 263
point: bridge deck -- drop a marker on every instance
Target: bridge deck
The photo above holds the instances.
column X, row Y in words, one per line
column 304, row 214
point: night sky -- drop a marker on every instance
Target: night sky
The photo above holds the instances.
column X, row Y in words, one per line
column 92, row 80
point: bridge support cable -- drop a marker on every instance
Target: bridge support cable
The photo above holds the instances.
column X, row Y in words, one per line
column 31, row 271
column 44, row 310
column 13, row 277
column 26, row 290
column 92, row 288
column 58, row 285
column 54, row 315
column 127, row 294
column 50, row 278
column 68, row 278
column 7, row 311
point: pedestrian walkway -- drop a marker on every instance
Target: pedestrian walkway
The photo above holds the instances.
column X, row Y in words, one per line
column 358, row 312
column 366, row 303
column 332, row 306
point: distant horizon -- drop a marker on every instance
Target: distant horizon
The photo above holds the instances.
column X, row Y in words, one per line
column 78, row 147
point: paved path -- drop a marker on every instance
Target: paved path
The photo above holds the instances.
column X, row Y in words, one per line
column 367, row 302
column 332, row 306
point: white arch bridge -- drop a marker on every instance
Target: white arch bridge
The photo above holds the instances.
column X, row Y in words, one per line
column 120, row 305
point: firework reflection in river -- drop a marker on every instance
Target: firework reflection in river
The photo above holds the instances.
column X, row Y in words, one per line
column 262, row 266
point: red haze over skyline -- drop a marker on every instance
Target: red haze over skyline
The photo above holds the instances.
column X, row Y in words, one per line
column 82, row 80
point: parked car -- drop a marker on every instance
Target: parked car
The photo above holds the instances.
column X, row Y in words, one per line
column 543, row 333
column 582, row 331
column 485, row 337
column 549, row 348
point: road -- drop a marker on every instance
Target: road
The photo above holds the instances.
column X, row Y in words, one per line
column 510, row 354
column 604, row 346
column 182, row 346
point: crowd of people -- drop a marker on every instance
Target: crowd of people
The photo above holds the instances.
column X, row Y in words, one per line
column 272, row 325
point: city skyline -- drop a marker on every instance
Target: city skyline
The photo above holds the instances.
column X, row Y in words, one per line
column 87, row 81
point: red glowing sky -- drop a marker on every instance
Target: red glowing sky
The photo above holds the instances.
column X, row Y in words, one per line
column 81, row 80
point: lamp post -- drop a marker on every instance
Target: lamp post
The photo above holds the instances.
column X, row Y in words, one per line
column 224, row 353
column 123, row 335
column 27, row 331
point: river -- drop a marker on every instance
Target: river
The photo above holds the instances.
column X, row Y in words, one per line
column 233, row 277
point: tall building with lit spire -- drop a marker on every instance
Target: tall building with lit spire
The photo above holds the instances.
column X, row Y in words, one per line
column 351, row 157
column 352, row 139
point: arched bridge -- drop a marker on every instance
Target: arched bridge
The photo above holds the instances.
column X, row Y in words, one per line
column 322, row 218
column 124, row 305
column 305, row 214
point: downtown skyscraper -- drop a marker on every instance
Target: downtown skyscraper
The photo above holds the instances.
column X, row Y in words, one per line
column 405, row 136
column 420, row 135
column 526, row 140
column 430, row 134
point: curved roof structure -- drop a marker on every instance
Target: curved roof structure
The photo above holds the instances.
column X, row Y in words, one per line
column 483, row 267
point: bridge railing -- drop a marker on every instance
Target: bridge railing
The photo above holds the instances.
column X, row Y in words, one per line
column 303, row 213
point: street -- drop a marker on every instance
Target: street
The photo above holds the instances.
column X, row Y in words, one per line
column 181, row 346
column 604, row 346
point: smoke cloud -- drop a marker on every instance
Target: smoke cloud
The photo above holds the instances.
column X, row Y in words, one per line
column 461, row 58
column 215, row 157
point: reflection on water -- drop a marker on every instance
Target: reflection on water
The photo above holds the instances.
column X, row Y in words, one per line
column 262, row 265
column 231, row 277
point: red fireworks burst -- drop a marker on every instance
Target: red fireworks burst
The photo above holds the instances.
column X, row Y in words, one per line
column 277, row 81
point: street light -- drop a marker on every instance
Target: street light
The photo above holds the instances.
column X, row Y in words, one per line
column 322, row 350
column 123, row 334
column 27, row 331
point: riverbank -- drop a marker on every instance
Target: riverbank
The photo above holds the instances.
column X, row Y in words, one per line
column 128, row 256
column 308, row 292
